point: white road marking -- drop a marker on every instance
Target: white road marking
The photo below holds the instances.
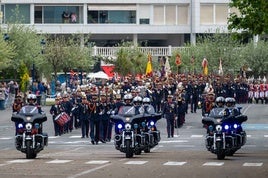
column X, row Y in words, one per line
column 20, row 161
column 57, row 161
column 266, row 136
column 174, row 141
column 97, row 162
column 172, row 163
column 249, row 136
column 252, row 164
column 75, row 136
column 6, row 138
column 136, row 162
column 196, row 136
column 88, row 171
column 213, row 164
column 246, row 109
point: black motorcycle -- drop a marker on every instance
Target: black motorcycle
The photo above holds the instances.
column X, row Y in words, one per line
column 135, row 133
column 29, row 137
column 225, row 134
column 150, row 131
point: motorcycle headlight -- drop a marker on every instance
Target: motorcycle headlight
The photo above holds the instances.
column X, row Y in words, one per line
column 127, row 119
column 218, row 127
column 226, row 127
column 28, row 126
column 235, row 126
column 120, row 126
column 152, row 123
column 128, row 126
column 20, row 126
column 28, row 118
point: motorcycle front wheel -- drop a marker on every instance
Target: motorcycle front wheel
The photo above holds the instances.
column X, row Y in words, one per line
column 29, row 151
column 220, row 152
column 129, row 152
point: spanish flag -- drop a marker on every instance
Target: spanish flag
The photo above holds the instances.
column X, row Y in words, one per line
column 149, row 68
column 205, row 66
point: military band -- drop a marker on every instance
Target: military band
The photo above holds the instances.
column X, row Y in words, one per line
column 91, row 105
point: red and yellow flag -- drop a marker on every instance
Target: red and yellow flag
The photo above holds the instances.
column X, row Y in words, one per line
column 149, row 68
column 205, row 66
column 178, row 60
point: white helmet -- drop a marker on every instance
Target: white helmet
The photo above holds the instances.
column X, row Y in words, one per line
column 31, row 97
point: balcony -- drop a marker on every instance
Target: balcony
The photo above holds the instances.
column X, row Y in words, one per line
column 154, row 51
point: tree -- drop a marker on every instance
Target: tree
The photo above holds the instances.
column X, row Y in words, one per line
column 129, row 60
column 252, row 17
column 255, row 57
column 213, row 47
column 61, row 54
column 7, row 52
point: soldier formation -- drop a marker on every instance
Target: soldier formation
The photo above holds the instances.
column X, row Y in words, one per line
column 90, row 105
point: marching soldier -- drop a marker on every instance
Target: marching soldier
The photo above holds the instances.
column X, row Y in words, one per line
column 94, row 118
column 83, row 110
column 55, row 110
column 67, row 105
column 170, row 113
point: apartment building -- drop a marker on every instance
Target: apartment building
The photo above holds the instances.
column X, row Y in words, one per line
column 146, row 22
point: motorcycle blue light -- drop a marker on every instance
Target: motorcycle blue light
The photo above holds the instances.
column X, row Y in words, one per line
column 120, row 126
column 36, row 125
column 226, row 127
column 20, row 125
column 210, row 128
column 143, row 124
column 152, row 123
column 136, row 126
column 235, row 126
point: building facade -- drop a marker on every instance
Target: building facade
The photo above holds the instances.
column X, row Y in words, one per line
column 145, row 22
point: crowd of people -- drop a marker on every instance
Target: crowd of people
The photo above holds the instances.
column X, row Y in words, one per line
column 88, row 107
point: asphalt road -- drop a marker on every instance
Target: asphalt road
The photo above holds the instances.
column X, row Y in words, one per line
column 185, row 155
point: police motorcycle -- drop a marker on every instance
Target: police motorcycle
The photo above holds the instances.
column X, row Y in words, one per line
column 29, row 138
column 148, row 128
column 225, row 134
column 128, row 138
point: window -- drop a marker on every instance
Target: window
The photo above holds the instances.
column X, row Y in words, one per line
column 183, row 15
column 170, row 15
column 58, row 14
column 112, row 16
column 158, row 15
column 206, row 14
column 17, row 13
column 38, row 14
column 221, row 13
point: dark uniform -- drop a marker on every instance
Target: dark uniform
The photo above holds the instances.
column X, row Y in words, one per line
column 94, row 118
column 55, row 110
column 84, row 112
column 170, row 113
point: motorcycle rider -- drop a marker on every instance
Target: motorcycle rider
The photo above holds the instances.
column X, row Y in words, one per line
column 148, row 108
column 137, row 102
column 231, row 110
column 31, row 101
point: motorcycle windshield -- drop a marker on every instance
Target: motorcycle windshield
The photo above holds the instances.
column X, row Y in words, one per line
column 126, row 111
column 29, row 110
column 217, row 113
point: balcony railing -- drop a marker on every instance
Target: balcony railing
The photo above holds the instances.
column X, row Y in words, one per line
column 154, row 51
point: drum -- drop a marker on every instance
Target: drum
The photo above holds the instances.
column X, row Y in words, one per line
column 62, row 118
